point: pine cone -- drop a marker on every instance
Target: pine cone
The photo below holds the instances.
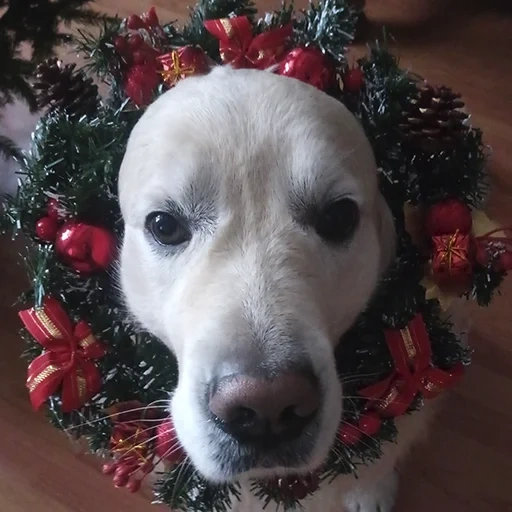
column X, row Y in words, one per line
column 59, row 86
column 434, row 121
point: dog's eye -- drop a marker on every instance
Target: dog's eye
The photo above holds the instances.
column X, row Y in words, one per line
column 338, row 221
column 166, row 229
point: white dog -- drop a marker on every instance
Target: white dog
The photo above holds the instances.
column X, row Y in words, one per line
column 255, row 235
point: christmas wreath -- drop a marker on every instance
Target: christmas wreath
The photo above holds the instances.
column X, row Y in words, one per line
column 104, row 380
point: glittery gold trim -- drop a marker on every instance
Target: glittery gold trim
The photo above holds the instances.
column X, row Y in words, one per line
column 227, row 26
column 41, row 377
column 409, row 344
column 81, row 384
column 385, row 402
column 50, row 327
column 87, row 342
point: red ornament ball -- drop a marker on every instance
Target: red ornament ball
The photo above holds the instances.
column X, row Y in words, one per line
column 349, row 434
column 353, row 80
column 447, row 217
column 85, row 248
column 168, row 447
column 370, row 423
column 140, row 83
column 309, row 65
column 46, row 229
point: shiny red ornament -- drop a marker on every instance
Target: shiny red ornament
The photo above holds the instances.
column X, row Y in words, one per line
column 141, row 81
column 349, row 434
column 84, row 247
column 68, row 361
column 353, row 80
column 447, row 217
column 451, row 261
column 370, row 423
column 168, row 447
column 183, row 62
column 239, row 48
column 46, row 229
column 309, row 65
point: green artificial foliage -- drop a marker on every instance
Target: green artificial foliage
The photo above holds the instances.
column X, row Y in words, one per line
column 76, row 160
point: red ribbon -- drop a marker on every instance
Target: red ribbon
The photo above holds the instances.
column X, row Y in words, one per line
column 413, row 373
column 68, row 359
column 239, row 48
column 502, row 243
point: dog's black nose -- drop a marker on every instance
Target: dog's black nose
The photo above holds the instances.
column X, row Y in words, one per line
column 260, row 410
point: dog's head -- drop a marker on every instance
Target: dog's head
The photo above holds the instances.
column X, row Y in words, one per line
column 255, row 235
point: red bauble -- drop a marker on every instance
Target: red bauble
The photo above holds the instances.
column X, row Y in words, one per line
column 167, row 445
column 451, row 263
column 349, row 434
column 85, row 248
column 140, row 83
column 46, row 229
column 309, row 65
column 370, row 423
column 353, row 80
column 448, row 217
column 183, row 62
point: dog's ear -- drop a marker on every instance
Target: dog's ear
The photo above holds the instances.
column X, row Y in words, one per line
column 386, row 232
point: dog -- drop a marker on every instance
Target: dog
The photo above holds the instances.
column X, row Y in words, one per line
column 255, row 234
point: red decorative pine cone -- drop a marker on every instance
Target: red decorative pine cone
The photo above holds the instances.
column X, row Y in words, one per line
column 309, row 65
column 447, row 217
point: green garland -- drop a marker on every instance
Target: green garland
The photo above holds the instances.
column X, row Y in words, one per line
column 75, row 160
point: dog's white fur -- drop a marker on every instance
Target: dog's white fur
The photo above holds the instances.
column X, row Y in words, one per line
column 234, row 147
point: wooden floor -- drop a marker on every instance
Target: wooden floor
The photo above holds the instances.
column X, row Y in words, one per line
column 466, row 465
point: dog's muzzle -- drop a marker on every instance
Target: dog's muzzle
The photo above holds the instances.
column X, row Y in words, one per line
column 264, row 419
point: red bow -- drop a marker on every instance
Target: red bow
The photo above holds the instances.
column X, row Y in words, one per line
column 501, row 244
column 413, row 374
column 68, row 359
column 239, row 48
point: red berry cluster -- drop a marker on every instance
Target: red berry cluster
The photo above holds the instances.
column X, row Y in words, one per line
column 137, row 446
